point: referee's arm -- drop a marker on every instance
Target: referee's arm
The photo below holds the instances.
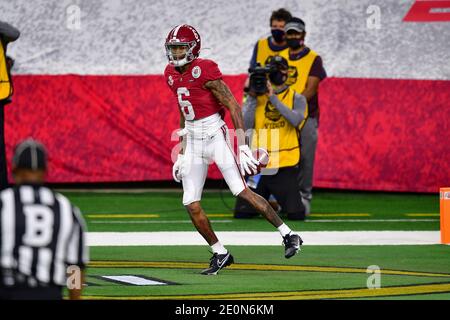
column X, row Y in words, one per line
column 78, row 253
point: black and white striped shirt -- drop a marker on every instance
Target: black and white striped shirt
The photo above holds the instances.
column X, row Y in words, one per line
column 41, row 234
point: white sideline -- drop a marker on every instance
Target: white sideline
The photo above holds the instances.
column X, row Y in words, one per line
column 320, row 238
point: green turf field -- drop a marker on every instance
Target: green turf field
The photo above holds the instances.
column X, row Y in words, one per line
column 262, row 272
column 379, row 211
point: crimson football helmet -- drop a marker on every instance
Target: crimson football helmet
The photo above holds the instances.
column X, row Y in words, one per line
column 185, row 36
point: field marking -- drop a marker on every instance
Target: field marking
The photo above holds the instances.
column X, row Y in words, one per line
column 133, row 280
column 259, row 238
column 220, row 215
column 340, row 215
column 371, row 220
column 330, row 215
column 255, row 267
column 121, row 216
column 422, row 214
column 299, row 295
column 231, row 221
column 154, row 221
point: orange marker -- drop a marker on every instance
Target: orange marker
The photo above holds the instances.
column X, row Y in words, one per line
column 444, row 195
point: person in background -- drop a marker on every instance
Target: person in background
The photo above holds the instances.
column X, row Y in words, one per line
column 305, row 61
column 277, row 117
column 266, row 48
column 7, row 34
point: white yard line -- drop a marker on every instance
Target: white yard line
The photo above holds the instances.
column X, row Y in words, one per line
column 264, row 238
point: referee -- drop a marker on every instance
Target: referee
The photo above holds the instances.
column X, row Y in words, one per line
column 41, row 233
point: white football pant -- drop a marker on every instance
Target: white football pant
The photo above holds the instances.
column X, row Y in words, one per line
column 207, row 141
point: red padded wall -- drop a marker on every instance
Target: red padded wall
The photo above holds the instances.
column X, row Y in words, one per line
column 375, row 134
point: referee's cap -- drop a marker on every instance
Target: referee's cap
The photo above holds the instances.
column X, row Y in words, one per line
column 295, row 24
column 30, row 154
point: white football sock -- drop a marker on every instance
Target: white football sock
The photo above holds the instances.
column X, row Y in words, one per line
column 218, row 248
column 284, row 230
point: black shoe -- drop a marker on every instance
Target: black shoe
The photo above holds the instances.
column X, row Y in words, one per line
column 292, row 243
column 218, row 261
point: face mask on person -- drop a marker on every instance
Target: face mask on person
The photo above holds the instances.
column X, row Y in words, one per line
column 295, row 43
column 278, row 77
column 278, row 35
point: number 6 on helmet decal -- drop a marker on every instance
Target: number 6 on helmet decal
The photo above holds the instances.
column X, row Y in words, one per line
column 185, row 106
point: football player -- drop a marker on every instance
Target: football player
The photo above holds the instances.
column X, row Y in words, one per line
column 202, row 96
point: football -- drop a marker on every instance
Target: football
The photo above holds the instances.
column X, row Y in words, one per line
column 262, row 156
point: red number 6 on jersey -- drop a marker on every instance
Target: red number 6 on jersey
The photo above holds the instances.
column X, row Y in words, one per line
column 186, row 106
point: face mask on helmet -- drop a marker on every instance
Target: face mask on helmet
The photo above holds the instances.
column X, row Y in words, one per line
column 180, row 54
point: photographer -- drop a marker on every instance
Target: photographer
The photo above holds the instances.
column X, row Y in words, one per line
column 273, row 109
column 7, row 34
column 267, row 47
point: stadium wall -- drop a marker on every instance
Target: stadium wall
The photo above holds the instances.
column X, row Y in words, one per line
column 96, row 97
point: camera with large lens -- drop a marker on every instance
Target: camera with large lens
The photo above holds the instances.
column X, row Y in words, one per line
column 258, row 79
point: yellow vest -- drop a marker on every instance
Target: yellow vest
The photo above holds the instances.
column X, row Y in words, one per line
column 263, row 56
column 264, row 53
column 6, row 89
column 299, row 70
column 275, row 134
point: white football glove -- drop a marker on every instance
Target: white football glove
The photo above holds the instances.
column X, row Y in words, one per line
column 177, row 169
column 247, row 161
